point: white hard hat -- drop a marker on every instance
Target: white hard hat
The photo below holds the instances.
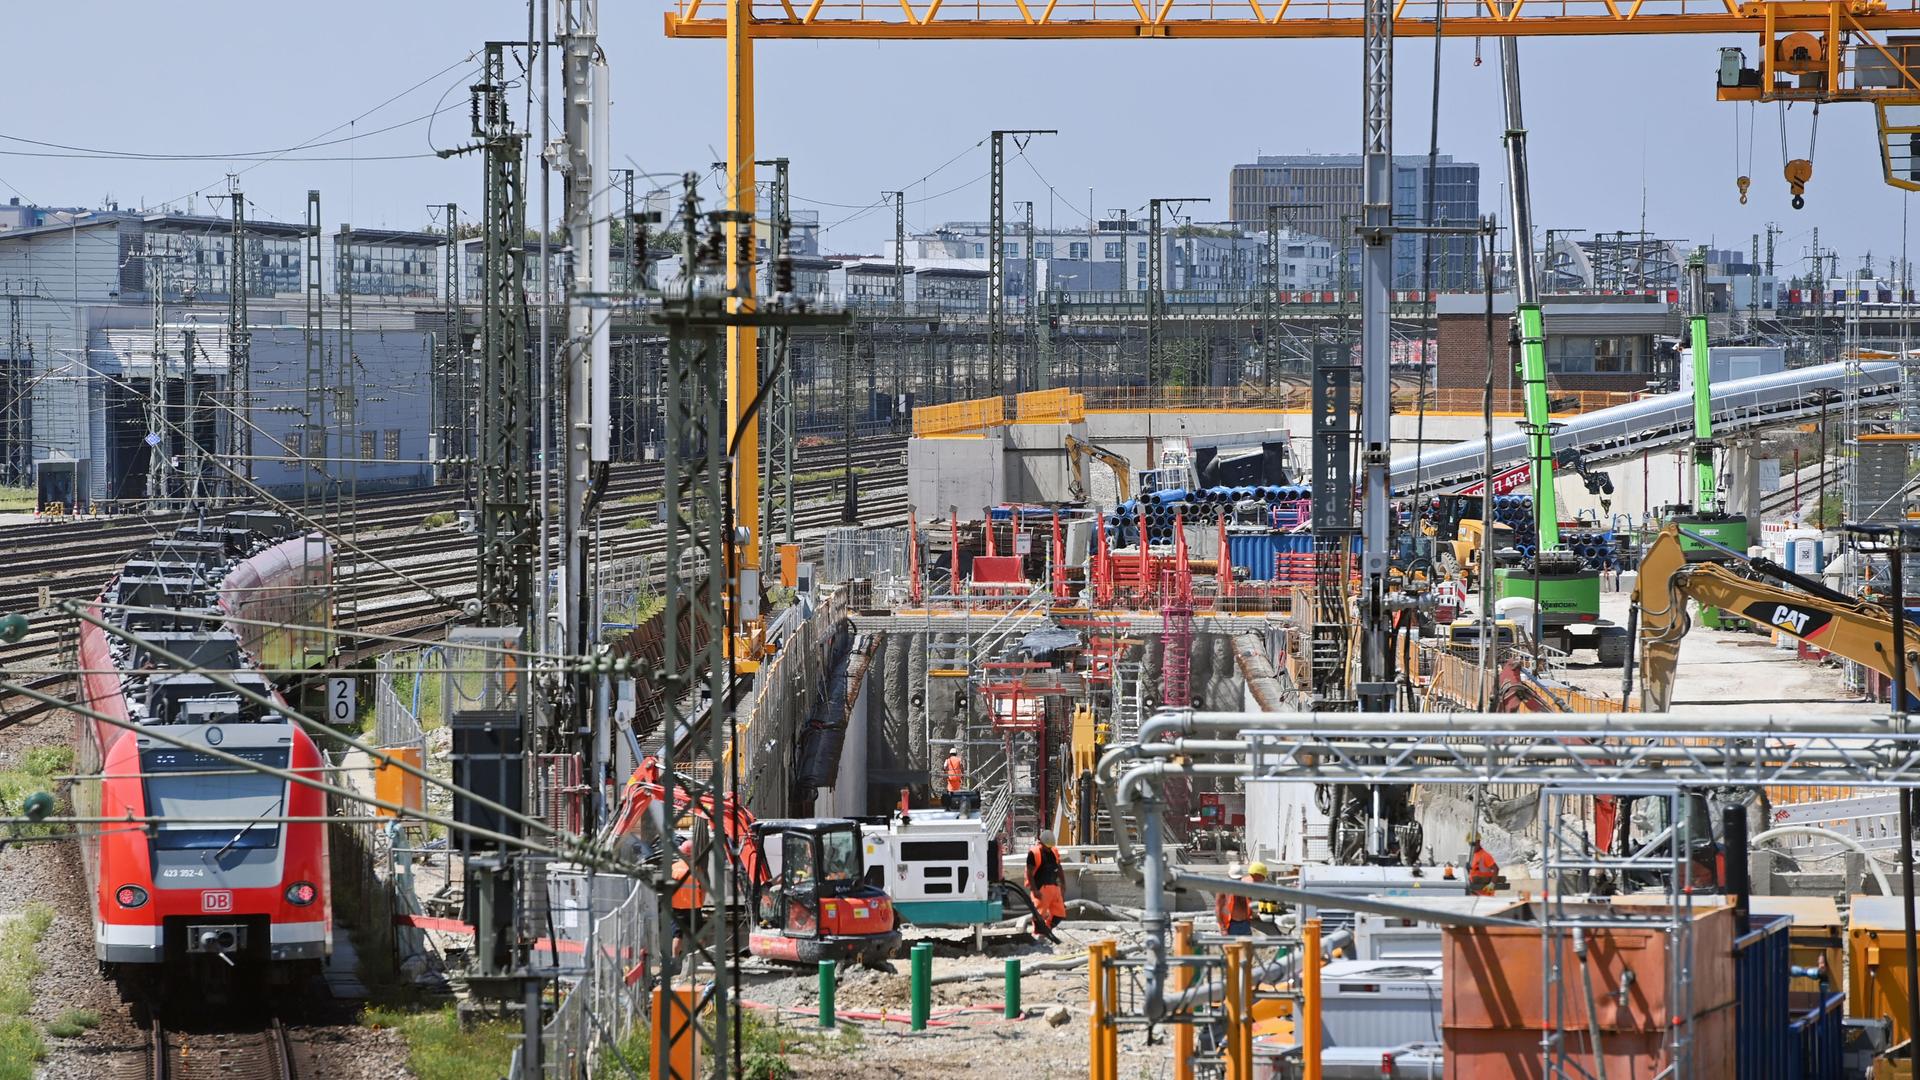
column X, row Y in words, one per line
column 1046, row 837
column 1234, row 870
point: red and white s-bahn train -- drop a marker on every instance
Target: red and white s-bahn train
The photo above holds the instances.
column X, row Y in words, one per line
column 219, row 883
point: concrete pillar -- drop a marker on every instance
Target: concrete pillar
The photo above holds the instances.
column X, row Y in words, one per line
column 1741, row 481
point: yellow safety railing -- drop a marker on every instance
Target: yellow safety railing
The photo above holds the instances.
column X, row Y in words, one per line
column 1060, row 406
column 1065, row 406
column 957, row 417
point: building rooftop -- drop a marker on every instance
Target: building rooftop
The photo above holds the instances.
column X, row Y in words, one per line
column 411, row 237
column 1353, row 160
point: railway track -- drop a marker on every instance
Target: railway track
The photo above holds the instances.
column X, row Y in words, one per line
column 265, row 1054
column 402, row 583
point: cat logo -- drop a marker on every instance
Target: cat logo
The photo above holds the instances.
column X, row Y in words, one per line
column 1801, row 622
column 1792, row 621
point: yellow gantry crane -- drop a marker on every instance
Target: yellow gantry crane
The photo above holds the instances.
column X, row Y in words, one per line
column 1809, row 50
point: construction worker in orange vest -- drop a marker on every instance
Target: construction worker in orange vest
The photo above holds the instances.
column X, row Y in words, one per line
column 956, row 770
column 1043, row 884
column 1234, row 914
column 1483, row 871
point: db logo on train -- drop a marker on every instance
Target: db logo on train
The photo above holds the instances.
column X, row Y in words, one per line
column 213, row 900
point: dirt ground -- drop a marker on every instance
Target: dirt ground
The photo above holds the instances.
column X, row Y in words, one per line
column 967, row 1033
column 1734, row 674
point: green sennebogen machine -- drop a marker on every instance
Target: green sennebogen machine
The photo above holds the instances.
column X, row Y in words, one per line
column 1564, row 591
column 1706, row 517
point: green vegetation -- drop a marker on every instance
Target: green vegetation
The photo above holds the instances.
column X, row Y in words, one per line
column 816, row 475
column 439, row 519
column 439, row 1048
column 630, row 1056
column 642, row 522
column 1833, row 510
column 16, row 498
column 432, row 684
column 635, row 613
column 643, row 499
column 20, row 1043
column 73, row 1023
column 36, row 772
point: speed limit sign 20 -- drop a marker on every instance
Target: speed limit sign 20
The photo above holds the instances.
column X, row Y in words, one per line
column 340, row 695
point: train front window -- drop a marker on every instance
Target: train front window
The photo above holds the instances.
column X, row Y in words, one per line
column 210, row 803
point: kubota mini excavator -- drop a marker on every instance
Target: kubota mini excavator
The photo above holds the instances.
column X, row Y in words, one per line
column 800, row 881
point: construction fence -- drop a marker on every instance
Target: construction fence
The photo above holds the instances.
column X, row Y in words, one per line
column 878, row 557
column 787, row 690
column 603, row 1008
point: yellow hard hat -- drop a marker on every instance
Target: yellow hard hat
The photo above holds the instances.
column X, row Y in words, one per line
column 1256, row 868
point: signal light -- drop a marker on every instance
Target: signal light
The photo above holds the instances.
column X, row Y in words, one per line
column 130, row 896
column 302, row 893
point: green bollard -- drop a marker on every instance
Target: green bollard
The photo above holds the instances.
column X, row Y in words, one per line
column 1013, row 989
column 920, row 968
column 827, row 971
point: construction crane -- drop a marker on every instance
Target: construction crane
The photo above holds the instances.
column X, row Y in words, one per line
column 1564, row 591
column 1672, row 573
column 1078, row 451
column 1844, row 36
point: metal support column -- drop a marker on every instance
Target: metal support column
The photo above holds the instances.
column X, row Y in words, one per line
column 997, row 255
column 1029, row 345
column 1375, row 689
column 743, row 358
column 313, row 428
column 1156, row 288
column 239, row 352
column 900, row 253
column 504, row 521
column 776, row 488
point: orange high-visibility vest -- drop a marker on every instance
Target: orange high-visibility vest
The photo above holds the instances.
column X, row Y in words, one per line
column 956, row 773
column 1482, row 872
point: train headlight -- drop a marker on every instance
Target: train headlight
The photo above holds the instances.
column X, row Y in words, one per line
column 302, row 893
column 130, row 896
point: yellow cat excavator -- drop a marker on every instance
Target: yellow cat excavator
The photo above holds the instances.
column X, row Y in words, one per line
column 1799, row 607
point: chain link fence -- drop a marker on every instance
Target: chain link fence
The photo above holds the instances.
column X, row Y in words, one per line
column 592, row 1032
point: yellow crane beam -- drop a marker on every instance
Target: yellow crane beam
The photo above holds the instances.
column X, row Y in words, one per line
column 1068, row 20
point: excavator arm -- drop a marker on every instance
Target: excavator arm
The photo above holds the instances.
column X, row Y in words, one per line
column 1078, row 451
column 1854, row 630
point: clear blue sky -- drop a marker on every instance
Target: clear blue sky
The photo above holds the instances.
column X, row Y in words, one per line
column 1609, row 118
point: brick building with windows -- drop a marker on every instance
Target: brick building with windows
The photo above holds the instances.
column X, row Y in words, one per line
column 1592, row 343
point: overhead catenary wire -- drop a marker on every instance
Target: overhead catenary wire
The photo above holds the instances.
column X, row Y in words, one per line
column 580, row 849
column 312, row 726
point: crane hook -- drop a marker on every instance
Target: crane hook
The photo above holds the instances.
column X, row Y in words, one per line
column 1743, row 183
column 1798, row 172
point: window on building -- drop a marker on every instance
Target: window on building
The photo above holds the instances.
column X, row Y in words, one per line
column 979, row 251
column 1597, row 354
column 390, row 444
column 1043, row 249
column 1140, row 268
column 1013, row 249
column 316, row 444
column 1140, row 249
column 1076, row 250
column 1116, row 249
column 367, row 439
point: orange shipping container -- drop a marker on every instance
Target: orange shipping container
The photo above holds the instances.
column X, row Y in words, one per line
column 1495, row 1008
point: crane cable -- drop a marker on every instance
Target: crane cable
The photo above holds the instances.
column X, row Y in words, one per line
column 1745, row 178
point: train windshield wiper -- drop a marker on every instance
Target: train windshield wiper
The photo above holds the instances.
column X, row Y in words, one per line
column 244, row 828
